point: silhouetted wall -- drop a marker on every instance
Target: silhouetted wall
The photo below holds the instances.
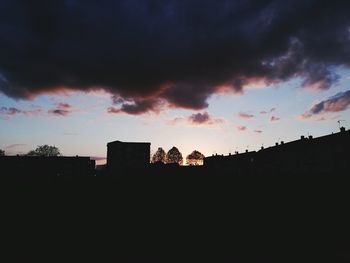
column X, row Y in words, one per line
column 308, row 156
column 46, row 166
column 127, row 156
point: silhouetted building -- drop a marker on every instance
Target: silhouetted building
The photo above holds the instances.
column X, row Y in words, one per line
column 125, row 156
column 27, row 166
column 236, row 164
column 324, row 155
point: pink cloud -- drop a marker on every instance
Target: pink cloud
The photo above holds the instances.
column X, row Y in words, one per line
column 113, row 110
column 337, row 103
column 62, row 109
column 243, row 115
column 203, row 118
column 11, row 111
column 241, row 128
column 59, row 112
column 274, row 118
column 197, row 119
column 64, row 106
column 265, row 112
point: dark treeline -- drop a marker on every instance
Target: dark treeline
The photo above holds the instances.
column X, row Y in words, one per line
column 175, row 156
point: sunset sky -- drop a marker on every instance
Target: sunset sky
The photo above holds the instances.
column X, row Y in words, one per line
column 215, row 76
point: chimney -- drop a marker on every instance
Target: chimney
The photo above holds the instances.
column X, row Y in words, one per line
column 282, row 142
column 310, row 137
column 246, row 151
column 302, row 137
column 262, row 147
column 276, row 144
column 342, row 129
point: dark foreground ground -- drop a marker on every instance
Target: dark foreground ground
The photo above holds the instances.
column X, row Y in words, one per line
column 178, row 218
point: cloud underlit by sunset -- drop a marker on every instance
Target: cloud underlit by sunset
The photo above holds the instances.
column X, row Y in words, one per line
column 214, row 76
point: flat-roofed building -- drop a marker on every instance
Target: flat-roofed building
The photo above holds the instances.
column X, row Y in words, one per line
column 325, row 155
column 123, row 156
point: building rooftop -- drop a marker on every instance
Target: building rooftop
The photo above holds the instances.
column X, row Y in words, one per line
column 118, row 142
column 303, row 140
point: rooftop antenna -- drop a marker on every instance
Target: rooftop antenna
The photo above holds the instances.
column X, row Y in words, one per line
column 339, row 122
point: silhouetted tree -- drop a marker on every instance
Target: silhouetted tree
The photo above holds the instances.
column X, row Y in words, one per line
column 174, row 156
column 159, row 156
column 45, row 150
column 2, row 152
column 195, row 158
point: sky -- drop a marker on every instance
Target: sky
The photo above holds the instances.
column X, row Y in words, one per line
column 214, row 76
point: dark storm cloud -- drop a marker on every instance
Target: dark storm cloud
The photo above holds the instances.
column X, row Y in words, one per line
column 134, row 107
column 337, row 103
column 178, row 52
